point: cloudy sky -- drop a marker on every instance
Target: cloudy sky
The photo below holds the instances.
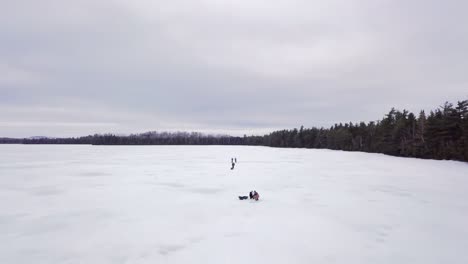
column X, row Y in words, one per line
column 70, row 68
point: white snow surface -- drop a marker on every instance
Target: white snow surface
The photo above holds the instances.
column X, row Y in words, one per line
column 179, row 204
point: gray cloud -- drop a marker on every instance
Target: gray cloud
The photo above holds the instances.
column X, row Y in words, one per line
column 83, row 67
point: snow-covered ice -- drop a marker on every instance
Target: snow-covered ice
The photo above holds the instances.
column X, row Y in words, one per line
column 179, row 204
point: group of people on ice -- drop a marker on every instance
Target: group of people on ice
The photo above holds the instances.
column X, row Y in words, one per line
column 252, row 195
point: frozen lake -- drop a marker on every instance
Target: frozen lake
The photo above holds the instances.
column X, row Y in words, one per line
column 178, row 204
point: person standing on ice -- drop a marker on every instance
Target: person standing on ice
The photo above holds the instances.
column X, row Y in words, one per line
column 232, row 163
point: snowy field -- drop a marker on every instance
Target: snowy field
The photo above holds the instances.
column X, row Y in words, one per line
column 178, row 204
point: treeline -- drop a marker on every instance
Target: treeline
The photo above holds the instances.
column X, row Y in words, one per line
column 148, row 138
column 166, row 138
column 441, row 134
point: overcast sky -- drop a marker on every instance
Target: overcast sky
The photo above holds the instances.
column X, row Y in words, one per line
column 70, row 68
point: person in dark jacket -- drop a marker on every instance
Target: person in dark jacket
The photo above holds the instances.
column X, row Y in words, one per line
column 254, row 195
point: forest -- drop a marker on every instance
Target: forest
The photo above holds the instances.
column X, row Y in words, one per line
column 440, row 134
